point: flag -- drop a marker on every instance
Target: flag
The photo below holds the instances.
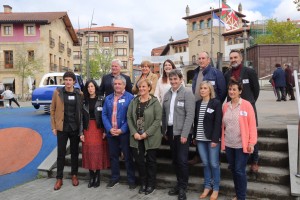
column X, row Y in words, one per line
column 229, row 17
column 216, row 21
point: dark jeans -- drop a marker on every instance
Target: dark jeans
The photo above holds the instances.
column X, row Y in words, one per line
column 62, row 139
column 253, row 158
column 282, row 91
column 14, row 100
column 116, row 143
column 290, row 91
column 179, row 158
column 147, row 169
column 237, row 160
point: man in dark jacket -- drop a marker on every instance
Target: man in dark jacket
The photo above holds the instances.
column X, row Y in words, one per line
column 106, row 87
column 279, row 81
column 250, row 91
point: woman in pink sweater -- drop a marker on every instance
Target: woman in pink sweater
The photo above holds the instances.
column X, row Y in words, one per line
column 239, row 135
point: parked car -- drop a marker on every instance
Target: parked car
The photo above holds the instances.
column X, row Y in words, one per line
column 43, row 94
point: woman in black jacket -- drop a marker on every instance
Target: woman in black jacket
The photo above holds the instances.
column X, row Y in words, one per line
column 94, row 145
column 208, row 120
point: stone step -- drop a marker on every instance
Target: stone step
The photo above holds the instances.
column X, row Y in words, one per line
column 255, row 190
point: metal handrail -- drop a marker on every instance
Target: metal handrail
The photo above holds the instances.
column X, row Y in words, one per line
column 298, row 103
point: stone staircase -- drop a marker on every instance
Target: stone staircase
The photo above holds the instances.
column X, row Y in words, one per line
column 271, row 182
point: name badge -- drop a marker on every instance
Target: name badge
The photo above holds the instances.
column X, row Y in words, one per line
column 99, row 108
column 71, row 97
column 209, row 110
column 245, row 81
column 122, row 101
column 243, row 113
column 213, row 82
column 179, row 103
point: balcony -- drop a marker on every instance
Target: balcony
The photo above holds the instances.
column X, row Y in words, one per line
column 69, row 52
column 53, row 67
column 61, row 47
column 52, row 42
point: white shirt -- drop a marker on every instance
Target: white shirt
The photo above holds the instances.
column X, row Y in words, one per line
column 7, row 94
column 172, row 106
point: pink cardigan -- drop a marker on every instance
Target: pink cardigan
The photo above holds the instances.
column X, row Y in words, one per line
column 247, row 125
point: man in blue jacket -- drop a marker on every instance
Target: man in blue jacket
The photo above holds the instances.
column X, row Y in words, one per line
column 114, row 116
column 280, row 84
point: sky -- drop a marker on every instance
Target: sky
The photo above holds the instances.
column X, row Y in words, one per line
column 153, row 21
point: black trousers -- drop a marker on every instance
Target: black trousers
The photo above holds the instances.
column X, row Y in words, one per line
column 180, row 158
column 147, row 168
column 62, row 139
column 14, row 100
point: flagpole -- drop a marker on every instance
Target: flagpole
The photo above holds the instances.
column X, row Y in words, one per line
column 220, row 11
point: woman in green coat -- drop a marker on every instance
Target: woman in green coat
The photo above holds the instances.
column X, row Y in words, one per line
column 144, row 118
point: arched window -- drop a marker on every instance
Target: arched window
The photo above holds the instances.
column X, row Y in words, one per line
column 208, row 23
column 194, row 26
column 202, row 24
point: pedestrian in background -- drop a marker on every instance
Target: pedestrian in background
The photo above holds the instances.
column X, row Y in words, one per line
column 279, row 81
column 177, row 119
column 290, row 81
column 207, row 132
column 239, row 135
column 65, row 111
column 9, row 95
column 144, row 119
column 94, row 144
column 146, row 74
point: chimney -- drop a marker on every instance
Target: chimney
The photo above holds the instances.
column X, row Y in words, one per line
column 7, row 8
column 112, row 24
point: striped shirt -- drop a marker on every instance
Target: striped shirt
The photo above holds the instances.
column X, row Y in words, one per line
column 114, row 121
column 233, row 137
column 200, row 128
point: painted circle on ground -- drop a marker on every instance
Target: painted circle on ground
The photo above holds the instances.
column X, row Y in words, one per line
column 18, row 147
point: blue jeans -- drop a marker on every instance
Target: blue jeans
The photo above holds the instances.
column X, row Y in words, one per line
column 210, row 160
column 114, row 145
column 237, row 160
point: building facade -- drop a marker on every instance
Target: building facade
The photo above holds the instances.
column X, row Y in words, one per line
column 48, row 37
column 118, row 39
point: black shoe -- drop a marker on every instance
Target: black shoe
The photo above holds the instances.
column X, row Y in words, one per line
column 92, row 179
column 292, row 99
column 278, row 100
column 173, row 192
column 142, row 189
column 132, row 186
column 112, row 184
column 97, row 179
column 149, row 190
column 182, row 195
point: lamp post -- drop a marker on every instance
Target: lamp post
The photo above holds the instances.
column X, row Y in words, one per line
column 88, row 74
column 245, row 38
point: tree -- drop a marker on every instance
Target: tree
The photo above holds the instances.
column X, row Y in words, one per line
column 100, row 62
column 27, row 65
column 280, row 33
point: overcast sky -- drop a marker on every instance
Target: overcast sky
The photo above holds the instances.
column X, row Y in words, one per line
column 153, row 21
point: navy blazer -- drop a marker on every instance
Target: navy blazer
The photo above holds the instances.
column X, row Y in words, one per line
column 212, row 121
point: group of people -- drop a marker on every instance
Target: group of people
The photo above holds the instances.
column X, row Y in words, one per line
column 283, row 82
column 110, row 120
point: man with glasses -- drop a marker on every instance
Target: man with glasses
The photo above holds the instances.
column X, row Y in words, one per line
column 248, row 77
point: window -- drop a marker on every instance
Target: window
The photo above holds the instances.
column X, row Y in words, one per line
column 8, row 59
column 121, row 52
column 184, row 49
column 199, row 42
column 229, row 41
column 176, row 50
column 208, row 23
column 121, row 39
column 92, row 39
column 105, row 39
column 180, row 49
column 124, row 64
column 201, row 24
column 76, row 54
column 30, row 55
column 194, row 26
column 194, row 59
column 7, row 29
column 29, row 29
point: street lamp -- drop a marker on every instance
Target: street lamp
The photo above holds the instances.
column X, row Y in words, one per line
column 245, row 38
column 88, row 74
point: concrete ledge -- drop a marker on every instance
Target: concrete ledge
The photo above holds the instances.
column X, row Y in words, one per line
column 293, row 155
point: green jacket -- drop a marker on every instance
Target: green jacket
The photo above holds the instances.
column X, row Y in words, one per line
column 152, row 115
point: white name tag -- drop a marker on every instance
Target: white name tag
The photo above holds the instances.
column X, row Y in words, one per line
column 179, row 103
column 209, row 110
column 122, row 101
column 243, row 113
column 71, row 97
column 99, row 108
column 212, row 82
column 245, row 81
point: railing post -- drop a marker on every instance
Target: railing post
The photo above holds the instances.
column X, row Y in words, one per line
column 298, row 103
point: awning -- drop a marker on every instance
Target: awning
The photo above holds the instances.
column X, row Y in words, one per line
column 8, row 80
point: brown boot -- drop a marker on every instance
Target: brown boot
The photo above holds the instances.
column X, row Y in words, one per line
column 254, row 167
column 58, row 184
column 75, row 181
column 195, row 160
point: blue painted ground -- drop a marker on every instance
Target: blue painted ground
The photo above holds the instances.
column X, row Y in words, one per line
column 27, row 117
